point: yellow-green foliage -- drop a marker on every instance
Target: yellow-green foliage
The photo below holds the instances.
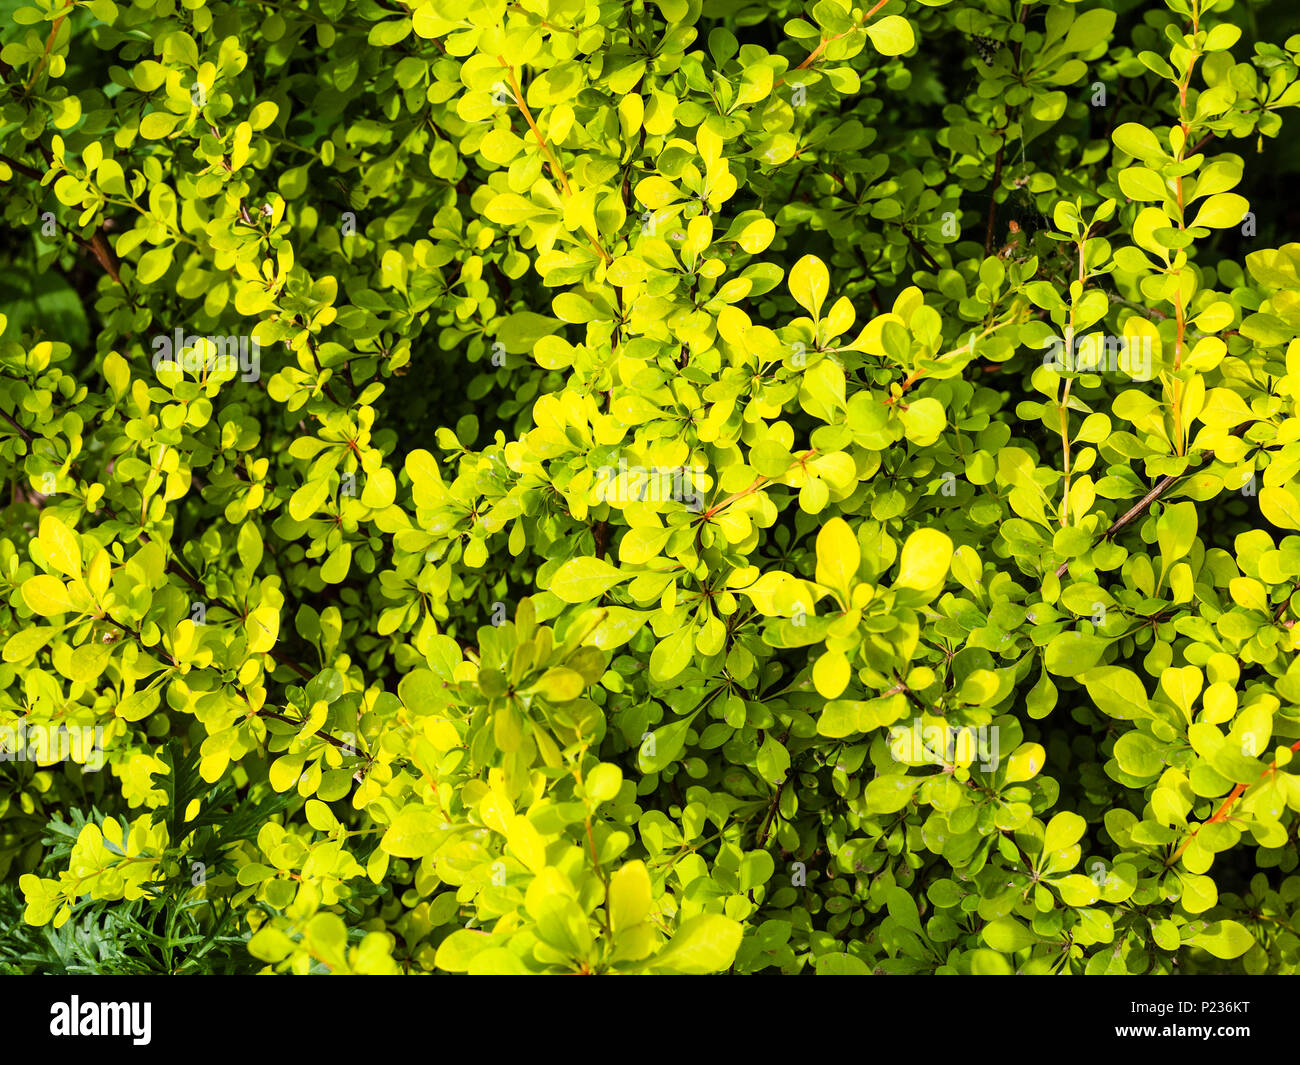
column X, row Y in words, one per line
column 671, row 487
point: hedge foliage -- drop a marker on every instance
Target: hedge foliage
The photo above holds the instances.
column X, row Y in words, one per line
column 601, row 486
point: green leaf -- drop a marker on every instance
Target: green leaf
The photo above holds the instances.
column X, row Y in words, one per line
column 703, row 944
column 603, row 782
column 892, row 35
column 1224, row 939
column 456, row 953
column 1199, row 892
column 672, row 654
column 924, row 421
column 655, row 192
column 309, row 499
column 1139, row 755
column 1070, row 653
column 581, row 580
column 560, row 685
column 1007, row 935
column 1077, row 890
column 1139, row 183
column 60, row 546
column 1090, row 29
column 839, row 718
column 665, row 745
column 414, row 833
column 889, row 794
column 1279, row 505
column 520, row 331
column 153, row 264
column 1064, row 830
column 773, row 760
column 1223, row 210
column 27, row 641
column 1117, row 692
column 1176, row 532
column 46, row 595
column 841, row 965
column 902, row 908
column 158, row 124
column 831, row 674
column 1138, row 141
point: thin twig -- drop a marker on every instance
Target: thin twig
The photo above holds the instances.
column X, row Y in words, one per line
column 1221, row 814
column 1130, row 515
column 921, row 248
column 991, row 227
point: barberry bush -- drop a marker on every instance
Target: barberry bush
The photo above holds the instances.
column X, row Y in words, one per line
column 675, row 487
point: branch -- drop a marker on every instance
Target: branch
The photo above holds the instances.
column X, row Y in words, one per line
column 1221, row 814
column 921, row 248
column 917, row 374
column 993, row 194
column 49, row 44
column 323, row 735
column 18, row 428
column 1130, row 515
column 776, row 801
column 22, row 168
column 97, row 245
column 759, row 482
column 821, row 45
column 551, row 157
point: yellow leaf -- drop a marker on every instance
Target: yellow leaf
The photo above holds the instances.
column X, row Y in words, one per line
column 60, row 546
column 775, row 594
column 100, row 572
column 809, row 283
column 926, row 557
column 526, row 843
column 262, row 626
column 892, row 35
column 630, row 897
column 46, row 595
column 831, row 674
column 1276, row 503
column 838, row 556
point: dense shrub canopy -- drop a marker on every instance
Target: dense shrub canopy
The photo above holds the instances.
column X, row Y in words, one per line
column 575, row 486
